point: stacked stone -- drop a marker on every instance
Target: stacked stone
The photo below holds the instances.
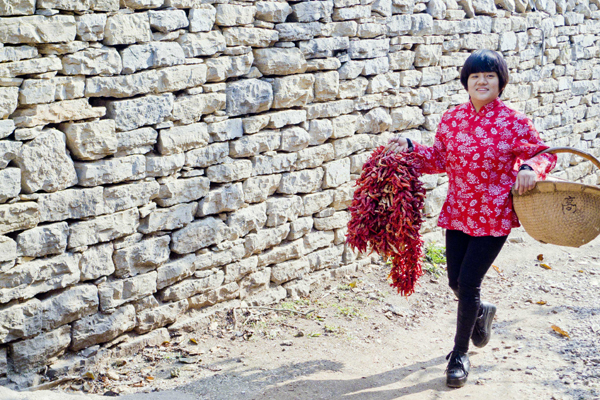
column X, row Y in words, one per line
column 158, row 157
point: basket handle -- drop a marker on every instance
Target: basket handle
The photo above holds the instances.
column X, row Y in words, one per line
column 555, row 150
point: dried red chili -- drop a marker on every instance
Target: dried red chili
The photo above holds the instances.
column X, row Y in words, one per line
column 386, row 214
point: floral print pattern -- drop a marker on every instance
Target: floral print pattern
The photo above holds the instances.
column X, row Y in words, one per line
column 481, row 152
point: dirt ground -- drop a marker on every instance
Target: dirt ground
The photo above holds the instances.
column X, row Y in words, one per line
column 357, row 339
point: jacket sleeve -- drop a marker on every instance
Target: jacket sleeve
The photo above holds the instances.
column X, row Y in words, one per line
column 527, row 144
column 435, row 156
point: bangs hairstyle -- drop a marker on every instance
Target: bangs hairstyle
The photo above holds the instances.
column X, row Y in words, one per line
column 485, row 61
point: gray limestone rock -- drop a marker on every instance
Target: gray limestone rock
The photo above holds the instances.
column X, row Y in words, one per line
column 164, row 165
column 8, row 151
column 234, row 14
column 142, row 257
column 272, row 11
column 115, row 293
column 101, row 328
column 91, row 140
column 43, row 240
column 69, row 305
column 101, row 61
column 221, row 68
column 134, row 113
column 122, row 86
column 305, row 181
column 202, row 18
column 37, row 29
column 248, row 97
column 7, row 127
column 312, row 11
column 182, row 191
column 293, row 91
column 336, row 173
column 202, row 43
column 137, row 141
column 67, row 5
column 168, row 20
column 123, row 197
column 10, row 183
column 112, row 170
column 181, row 77
column 166, row 219
column 289, row 270
column 54, row 113
column 180, row 139
column 104, row 228
column 257, row 189
column 20, row 320
column 44, row 163
column 33, row 353
column 225, row 198
column 191, row 108
column 39, row 276
column 206, row 156
column 9, row 8
column 127, row 29
column 8, row 249
column 249, row 219
column 280, row 61
column 155, row 318
column 142, row 4
column 151, row 55
column 250, row 145
column 283, row 209
column 90, row 27
column 8, row 100
column 190, row 287
column 70, row 204
column 197, row 235
column 255, row 37
column 97, row 261
column 175, row 271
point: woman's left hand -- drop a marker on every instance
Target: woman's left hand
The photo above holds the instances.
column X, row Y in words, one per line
column 525, row 181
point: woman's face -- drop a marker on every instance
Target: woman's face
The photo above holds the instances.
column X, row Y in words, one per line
column 483, row 88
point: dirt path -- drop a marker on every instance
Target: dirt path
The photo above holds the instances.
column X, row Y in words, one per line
column 363, row 342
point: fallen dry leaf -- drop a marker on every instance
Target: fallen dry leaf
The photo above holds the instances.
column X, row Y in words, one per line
column 560, row 331
column 497, row 269
column 545, row 266
column 540, row 257
column 541, row 302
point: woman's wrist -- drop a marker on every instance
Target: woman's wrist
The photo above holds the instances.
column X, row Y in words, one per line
column 525, row 167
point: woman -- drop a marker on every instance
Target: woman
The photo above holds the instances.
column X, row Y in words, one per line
column 485, row 148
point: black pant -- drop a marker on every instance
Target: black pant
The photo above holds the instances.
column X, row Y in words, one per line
column 468, row 259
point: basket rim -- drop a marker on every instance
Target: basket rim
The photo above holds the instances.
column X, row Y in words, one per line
column 559, row 187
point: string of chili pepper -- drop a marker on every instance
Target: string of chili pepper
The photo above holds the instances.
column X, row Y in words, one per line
column 386, row 214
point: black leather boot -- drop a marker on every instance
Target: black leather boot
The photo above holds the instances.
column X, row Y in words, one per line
column 458, row 369
column 482, row 332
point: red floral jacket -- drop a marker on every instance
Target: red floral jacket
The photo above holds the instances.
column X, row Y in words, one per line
column 481, row 152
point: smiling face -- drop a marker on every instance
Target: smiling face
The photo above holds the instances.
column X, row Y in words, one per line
column 483, row 88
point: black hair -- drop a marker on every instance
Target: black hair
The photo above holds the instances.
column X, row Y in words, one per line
column 485, row 61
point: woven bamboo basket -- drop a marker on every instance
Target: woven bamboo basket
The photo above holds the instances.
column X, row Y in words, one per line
column 561, row 212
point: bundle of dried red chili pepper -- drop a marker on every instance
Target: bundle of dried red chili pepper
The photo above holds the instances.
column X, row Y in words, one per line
column 386, row 214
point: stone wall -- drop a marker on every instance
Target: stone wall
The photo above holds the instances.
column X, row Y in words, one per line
column 158, row 157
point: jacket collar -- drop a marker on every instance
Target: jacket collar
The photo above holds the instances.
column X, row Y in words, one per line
column 487, row 108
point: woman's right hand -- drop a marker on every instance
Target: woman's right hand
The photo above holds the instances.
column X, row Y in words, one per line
column 397, row 144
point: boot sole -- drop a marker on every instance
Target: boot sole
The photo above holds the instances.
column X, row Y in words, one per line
column 489, row 317
column 456, row 383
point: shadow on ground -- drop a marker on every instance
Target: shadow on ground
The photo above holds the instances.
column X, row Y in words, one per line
column 293, row 382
